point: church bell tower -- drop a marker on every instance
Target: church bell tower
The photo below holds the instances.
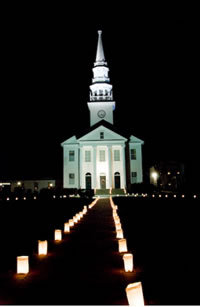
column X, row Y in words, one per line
column 101, row 104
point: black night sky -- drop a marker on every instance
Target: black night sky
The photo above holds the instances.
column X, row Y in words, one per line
column 47, row 56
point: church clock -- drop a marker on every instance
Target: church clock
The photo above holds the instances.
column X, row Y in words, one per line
column 101, row 113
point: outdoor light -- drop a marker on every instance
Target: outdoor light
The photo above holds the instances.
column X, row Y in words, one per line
column 114, row 213
column 75, row 219
column 42, row 247
column 19, row 183
column 66, row 227
column 134, row 294
column 128, row 262
column 7, row 198
column 117, row 219
column 34, row 197
column 154, row 176
column 122, row 245
column 195, row 196
column 54, row 196
column 22, row 265
column 16, row 198
column 174, row 195
column 183, row 196
column 80, row 214
column 118, row 226
column 153, row 195
column 166, row 195
column 71, row 222
column 120, row 234
column 24, row 198
column 58, row 235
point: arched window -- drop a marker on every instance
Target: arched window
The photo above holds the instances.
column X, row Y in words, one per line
column 88, row 181
column 117, row 180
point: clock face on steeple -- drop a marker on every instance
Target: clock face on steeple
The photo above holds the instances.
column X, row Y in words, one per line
column 101, row 113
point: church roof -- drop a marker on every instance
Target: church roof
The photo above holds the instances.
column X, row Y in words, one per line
column 100, row 123
column 84, row 132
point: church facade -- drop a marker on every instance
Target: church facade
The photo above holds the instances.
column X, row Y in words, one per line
column 101, row 158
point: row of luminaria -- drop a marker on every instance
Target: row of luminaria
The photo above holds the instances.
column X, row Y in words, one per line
column 134, row 290
column 23, row 261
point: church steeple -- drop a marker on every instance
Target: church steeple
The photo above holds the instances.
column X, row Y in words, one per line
column 100, row 58
column 100, row 89
column 101, row 103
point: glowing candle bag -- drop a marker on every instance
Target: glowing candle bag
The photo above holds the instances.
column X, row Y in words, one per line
column 71, row 222
column 116, row 219
column 118, row 226
column 42, row 247
column 22, row 264
column 66, row 227
column 122, row 246
column 58, row 235
column 120, row 234
column 128, row 262
column 134, row 294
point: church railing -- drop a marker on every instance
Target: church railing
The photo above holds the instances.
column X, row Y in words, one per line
column 99, row 98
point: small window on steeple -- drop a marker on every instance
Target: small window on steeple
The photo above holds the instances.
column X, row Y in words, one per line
column 101, row 135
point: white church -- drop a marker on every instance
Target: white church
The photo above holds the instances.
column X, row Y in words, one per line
column 101, row 158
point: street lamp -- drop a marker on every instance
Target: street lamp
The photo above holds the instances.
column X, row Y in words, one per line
column 154, row 176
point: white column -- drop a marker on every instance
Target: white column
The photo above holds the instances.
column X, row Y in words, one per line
column 80, row 170
column 110, row 165
column 124, row 166
column 94, row 179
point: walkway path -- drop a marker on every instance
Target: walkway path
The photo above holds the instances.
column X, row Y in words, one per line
column 85, row 269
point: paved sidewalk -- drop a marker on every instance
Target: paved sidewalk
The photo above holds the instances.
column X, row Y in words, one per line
column 84, row 269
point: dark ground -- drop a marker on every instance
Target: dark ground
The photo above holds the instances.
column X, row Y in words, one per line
column 86, row 268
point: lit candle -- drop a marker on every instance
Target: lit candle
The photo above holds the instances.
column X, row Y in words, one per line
column 71, row 222
column 118, row 226
column 58, row 235
column 66, row 227
column 135, row 294
column 128, row 262
column 22, row 264
column 116, row 219
column 42, row 247
column 120, row 234
column 122, row 246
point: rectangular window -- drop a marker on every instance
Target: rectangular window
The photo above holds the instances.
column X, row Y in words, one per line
column 102, row 155
column 71, row 178
column 133, row 154
column 133, row 177
column 116, row 155
column 87, row 156
column 71, row 155
column 101, row 135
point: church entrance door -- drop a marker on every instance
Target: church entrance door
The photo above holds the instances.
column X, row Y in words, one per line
column 117, row 180
column 103, row 182
column 88, row 181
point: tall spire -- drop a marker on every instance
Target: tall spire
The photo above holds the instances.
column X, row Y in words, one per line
column 100, row 58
